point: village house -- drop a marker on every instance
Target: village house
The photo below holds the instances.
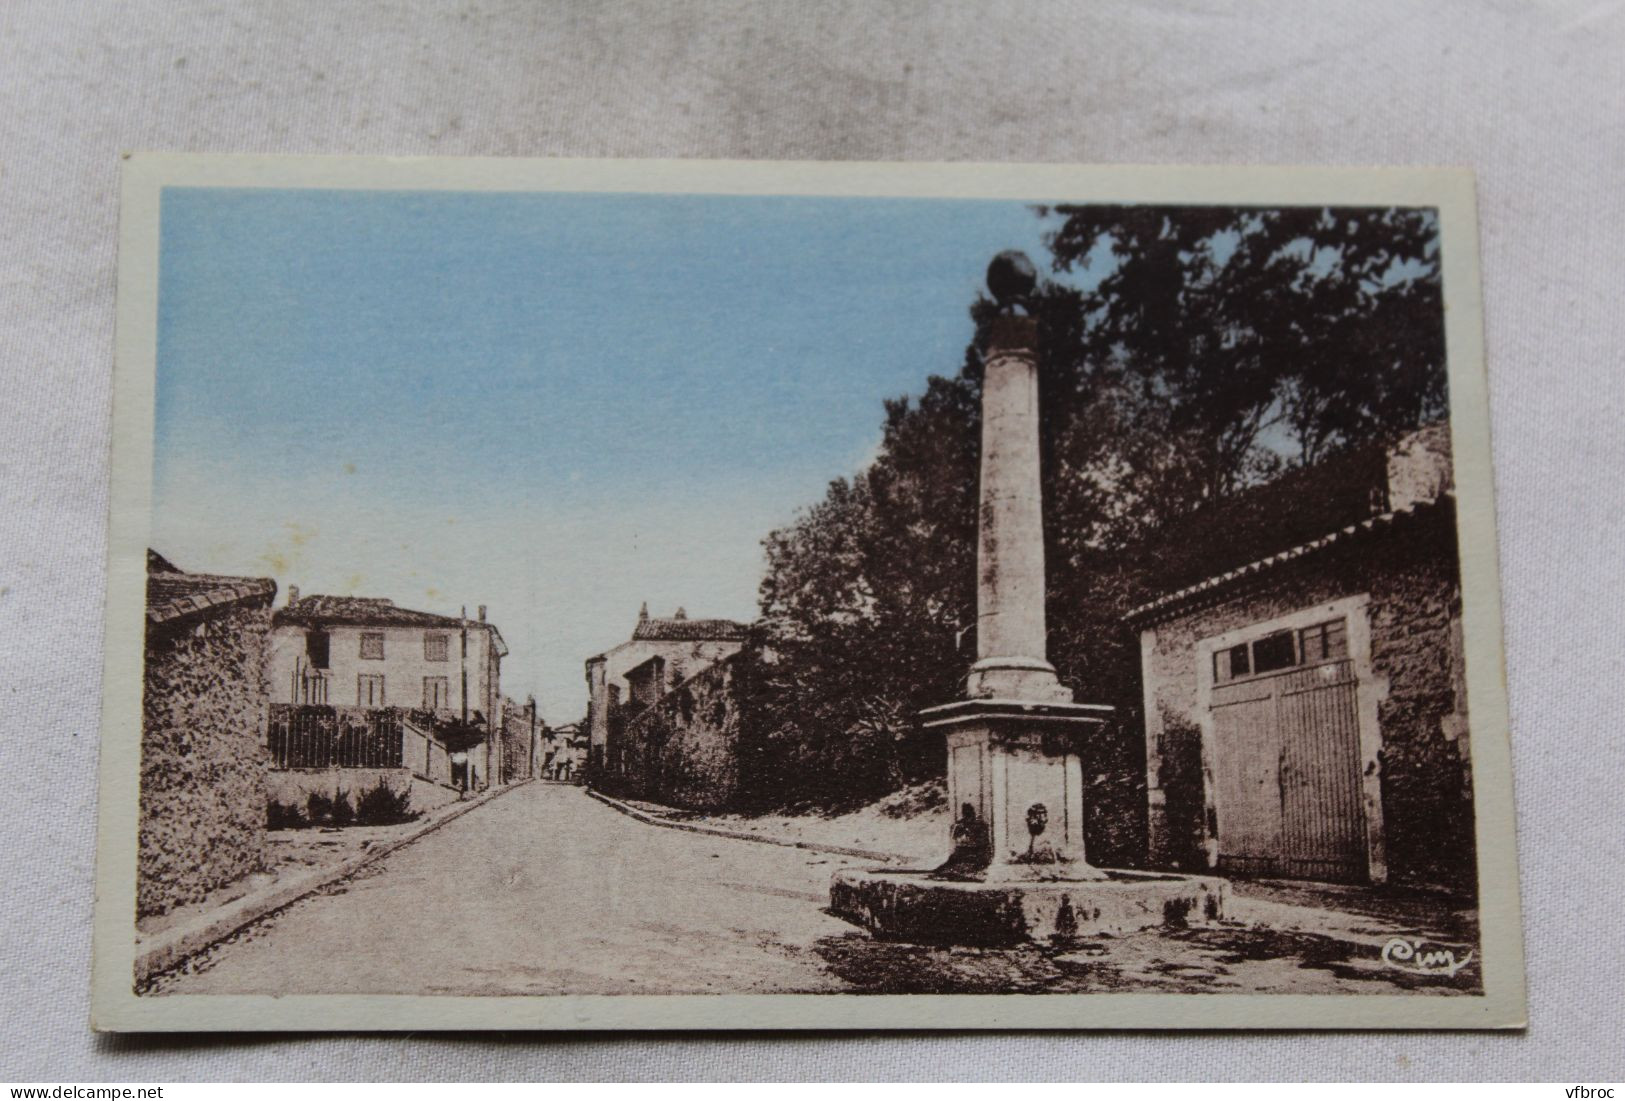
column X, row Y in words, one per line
column 368, row 654
column 1304, row 680
column 203, row 761
column 629, row 677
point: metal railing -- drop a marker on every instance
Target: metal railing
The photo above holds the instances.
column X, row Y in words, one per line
column 314, row 736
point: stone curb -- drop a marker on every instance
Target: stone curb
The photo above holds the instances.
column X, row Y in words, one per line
column 740, row 835
column 174, row 946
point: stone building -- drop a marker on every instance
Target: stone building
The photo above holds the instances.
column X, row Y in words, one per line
column 662, row 653
column 683, row 746
column 1304, row 684
column 522, row 738
column 203, row 760
column 364, row 652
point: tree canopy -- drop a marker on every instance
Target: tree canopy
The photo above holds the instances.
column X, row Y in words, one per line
column 1187, row 354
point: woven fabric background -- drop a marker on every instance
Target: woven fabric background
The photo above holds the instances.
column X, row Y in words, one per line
column 1530, row 95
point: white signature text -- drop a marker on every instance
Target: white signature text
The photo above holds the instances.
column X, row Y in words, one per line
column 1403, row 954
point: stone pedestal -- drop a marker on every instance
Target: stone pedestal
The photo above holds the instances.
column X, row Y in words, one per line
column 1017, row 767
column 1033, row 881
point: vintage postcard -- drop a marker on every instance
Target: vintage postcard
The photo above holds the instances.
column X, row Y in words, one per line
column 574, row 594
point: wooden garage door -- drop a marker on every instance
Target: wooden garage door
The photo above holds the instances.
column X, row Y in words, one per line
column 1287, row 768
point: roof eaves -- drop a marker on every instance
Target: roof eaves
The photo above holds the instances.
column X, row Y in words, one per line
column 318, row 610
column 230, row 590
column 1173, row 601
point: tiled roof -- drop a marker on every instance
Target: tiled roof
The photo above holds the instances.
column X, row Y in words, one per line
column 689, row 630
column 371, row 611
column 363, row 611
column 173, row 594
column 1175, row 601
column 1295, row 508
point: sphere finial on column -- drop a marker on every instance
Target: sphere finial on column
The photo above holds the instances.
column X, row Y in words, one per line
column 1011, row 279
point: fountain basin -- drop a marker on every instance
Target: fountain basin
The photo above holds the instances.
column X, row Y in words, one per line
column 917, row 906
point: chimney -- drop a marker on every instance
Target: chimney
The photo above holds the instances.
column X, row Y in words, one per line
column 643, row 613
column 293, row 594
column 482, row 613
column 1419, row 468
column 682, row 613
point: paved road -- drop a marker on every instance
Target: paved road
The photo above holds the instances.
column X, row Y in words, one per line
column 544, row 890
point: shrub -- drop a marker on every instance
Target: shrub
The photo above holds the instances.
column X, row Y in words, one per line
column 336, row 811
column 382, row 805
column 343, row 812
column 284, row 816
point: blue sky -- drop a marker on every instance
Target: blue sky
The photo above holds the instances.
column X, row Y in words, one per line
column 558, row 405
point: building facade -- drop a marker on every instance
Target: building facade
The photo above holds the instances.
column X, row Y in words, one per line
column 203, row 757
column 1306, row 710
column 365, row 652
column 522, row 738
column 686, row 746
column 662, row 653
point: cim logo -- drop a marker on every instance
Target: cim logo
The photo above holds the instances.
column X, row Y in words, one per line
column 1415, row 956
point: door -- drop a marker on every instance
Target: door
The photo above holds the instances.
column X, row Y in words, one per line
column 1286, row 750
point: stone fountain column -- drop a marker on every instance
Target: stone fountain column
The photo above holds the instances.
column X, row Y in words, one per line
column 1015, row 774
column 1017, row 870
column 1011, row 638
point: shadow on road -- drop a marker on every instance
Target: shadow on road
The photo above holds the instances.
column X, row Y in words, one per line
column 1196, row 961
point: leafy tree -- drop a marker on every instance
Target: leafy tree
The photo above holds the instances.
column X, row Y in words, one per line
column 1260, row 337
column 1188, row 353
column 867, row 599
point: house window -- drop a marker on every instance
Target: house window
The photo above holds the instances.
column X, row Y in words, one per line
column 372, row 645
column 1232, row 663
column 1282, row 650
column 369, row 690
column 1273, row 652
column 436, row 693
column 1324, row 641
column 434, row 647
column 316, row 648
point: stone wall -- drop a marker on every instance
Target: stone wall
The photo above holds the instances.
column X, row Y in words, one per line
column 521, row 735
column 294, row 786
column 203, row 761
column 427, row 758
column 684, row 749
column 609, row 692
column 1411, row 575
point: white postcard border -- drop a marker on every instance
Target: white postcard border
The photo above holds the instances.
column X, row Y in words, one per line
column 115, row 1006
